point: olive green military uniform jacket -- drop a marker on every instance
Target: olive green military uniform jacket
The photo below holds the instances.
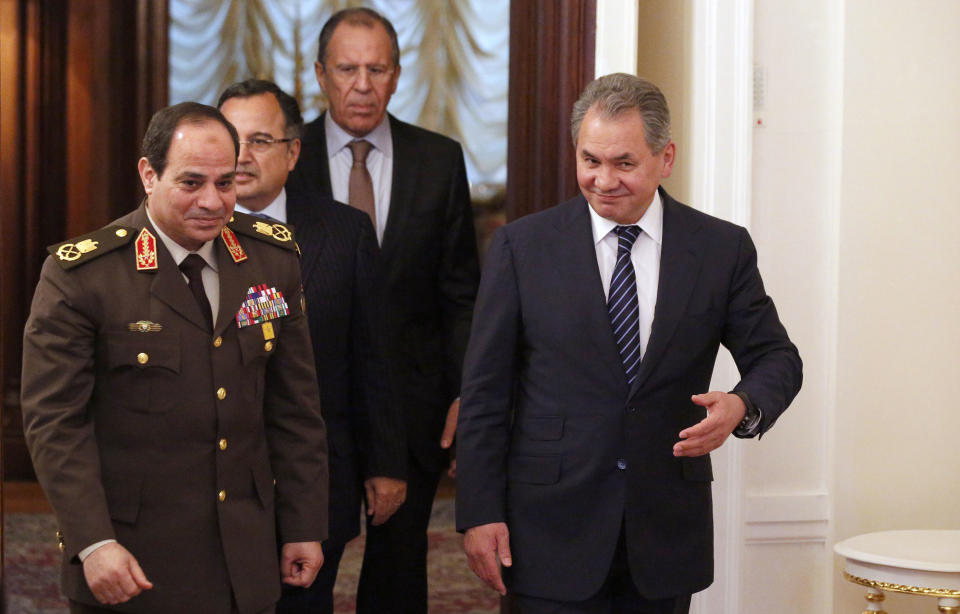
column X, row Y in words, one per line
column 199, row 451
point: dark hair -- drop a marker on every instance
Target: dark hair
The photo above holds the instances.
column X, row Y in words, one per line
column 293, row 121
column 156, row 141
column 360, row 16
column 618, row 93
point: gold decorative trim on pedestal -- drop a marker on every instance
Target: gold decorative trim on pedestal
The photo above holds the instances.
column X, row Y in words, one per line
column 903, row 588
column 875, row 598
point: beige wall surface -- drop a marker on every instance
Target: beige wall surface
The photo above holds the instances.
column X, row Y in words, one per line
column 796, row 135
column 898, row 347
column 663, row 57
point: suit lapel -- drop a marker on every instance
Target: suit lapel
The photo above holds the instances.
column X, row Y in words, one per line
column 315, row 165
column 234, row 283
column 308, row 224
column 403, row 187
column 170, row 288
column 167, row 284
column 576, row 263
column 680, row 260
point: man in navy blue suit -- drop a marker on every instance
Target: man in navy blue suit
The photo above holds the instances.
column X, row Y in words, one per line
column 585, row 426
column 342, row 289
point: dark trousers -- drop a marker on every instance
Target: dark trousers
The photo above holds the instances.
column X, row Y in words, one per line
column 81, row 608
column 318, row 597
column 393, row 579
column 618, row 595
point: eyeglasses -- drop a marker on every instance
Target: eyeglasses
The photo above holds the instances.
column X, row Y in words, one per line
column 262, row 145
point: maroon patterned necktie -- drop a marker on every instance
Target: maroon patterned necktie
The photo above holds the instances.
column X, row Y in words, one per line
column 361, row 185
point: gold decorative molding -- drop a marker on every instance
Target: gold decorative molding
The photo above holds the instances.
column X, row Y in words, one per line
column 903, row 588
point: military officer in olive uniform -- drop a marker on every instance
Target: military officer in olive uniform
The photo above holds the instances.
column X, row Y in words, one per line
column 169, row 395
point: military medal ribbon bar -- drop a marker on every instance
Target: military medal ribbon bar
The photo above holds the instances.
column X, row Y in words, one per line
column 262, row 305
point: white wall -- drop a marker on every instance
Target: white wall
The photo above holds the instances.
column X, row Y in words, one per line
column 898, row 342
column 796, row 138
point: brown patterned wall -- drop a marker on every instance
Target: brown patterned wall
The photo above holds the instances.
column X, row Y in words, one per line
column 81, row 79
column 551, row 60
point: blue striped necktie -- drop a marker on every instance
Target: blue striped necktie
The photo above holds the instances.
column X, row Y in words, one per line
column 623, row 304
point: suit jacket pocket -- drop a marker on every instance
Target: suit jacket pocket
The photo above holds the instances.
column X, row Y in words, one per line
column 140, row 362
column 543, row 428
column 254, row 345
column 143, row 351
column 123, row 496
column 263, row 483
column 534, row 469
column 697, row 468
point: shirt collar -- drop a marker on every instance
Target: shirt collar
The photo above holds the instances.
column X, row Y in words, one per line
column 276, row 209
column 338, row 138
column 179, row 252
column 651, row 222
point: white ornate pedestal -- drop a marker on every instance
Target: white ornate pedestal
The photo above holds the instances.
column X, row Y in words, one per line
column 925, row 563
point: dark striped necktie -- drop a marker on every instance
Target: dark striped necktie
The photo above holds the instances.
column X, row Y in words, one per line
column 623, row 304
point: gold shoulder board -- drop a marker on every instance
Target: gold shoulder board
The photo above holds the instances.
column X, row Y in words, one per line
column 76, row 251
column 270, row 231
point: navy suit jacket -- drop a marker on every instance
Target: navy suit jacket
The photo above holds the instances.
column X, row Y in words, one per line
column 342, row 288
column 552, row 440
column 431, row 272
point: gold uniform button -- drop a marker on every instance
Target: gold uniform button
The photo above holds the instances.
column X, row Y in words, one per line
column 218, row 342
column 142, row 358
column 223, row 444
column 268, row 346
column 221, row 393
column 222, row 496
column 121, row 232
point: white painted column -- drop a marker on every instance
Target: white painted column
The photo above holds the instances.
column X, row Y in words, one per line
column 616, row 45
column 721, row 145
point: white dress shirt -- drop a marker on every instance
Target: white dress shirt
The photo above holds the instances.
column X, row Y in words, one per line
column 379, row 164
column 277, row 209
column 645, row 256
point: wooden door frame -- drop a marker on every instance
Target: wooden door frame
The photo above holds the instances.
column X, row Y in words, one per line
column 552, row 49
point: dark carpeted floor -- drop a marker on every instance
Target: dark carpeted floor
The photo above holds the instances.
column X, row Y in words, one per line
column 32, row 562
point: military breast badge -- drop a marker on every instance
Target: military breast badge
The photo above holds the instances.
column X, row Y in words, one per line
column 144, row 326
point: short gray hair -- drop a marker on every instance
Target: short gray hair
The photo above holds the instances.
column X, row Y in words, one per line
column 618, row 93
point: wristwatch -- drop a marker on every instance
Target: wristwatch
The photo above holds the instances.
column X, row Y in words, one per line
column 750, row 425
